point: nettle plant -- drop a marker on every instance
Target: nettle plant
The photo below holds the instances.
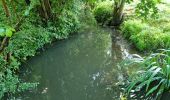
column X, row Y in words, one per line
column 154, row 79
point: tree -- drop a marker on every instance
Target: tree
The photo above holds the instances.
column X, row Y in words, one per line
column 144, row 9
column 118, row 12
column 46, row 9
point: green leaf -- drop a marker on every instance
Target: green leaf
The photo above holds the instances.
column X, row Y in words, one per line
column 160, row 91
column 167, row 70
column 130, row 87
column 8, row 33
column 12, row 29
column 144, row 83
column 151, row 78
column 152, row 90
column 26, row 13
column 2, row 32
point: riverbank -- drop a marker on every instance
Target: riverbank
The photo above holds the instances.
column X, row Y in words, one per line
column 33, row 34
column 147, row 34
column 151, row 34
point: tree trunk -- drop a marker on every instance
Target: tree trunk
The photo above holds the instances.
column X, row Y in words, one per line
column 5, row 39
column 46, row 8
column 5, row 8
column 118, row 12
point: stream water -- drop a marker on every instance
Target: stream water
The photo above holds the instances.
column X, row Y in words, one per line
column 82, row 67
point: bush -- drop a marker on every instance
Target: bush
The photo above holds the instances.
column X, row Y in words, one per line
column 9, row 81
column 67, row 23
column 103, row 12
column 25, row 42
column 33, row 35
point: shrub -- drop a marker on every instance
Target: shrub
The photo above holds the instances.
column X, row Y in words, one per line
column 25, row 42
column 154, row 78
column 9, row 82
column 32, row 35
column 103, row 12
column 68, row 22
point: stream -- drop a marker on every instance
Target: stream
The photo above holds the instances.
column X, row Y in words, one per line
column 82, row 67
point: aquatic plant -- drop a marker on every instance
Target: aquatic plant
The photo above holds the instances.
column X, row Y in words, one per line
column 154, row 79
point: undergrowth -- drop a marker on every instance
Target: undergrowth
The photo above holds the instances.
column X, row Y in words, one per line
column 33, row 35
column 103, row 12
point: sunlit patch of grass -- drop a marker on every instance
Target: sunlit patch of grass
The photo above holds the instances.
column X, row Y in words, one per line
column 146, row 37
column 151, row 34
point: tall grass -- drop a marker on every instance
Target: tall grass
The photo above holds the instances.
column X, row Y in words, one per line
column 146, row 37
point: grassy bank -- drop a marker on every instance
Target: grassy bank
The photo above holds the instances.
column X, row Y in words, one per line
column 151, row 34
column 146, row 34
column 151, row 81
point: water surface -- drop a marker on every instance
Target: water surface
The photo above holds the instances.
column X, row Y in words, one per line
column 83, row 67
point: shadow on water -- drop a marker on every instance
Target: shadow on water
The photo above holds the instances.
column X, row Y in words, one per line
column 79, row 68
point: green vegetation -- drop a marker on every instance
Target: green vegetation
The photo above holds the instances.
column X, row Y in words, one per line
column 154, row 76
column 148, row 30
column 150, row 34
column 26, row 26
column 145, row 36
column 19, row 41
column 103, row 12
column 111, row 11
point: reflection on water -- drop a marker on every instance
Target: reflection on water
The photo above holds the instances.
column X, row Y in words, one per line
column 78, row 68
